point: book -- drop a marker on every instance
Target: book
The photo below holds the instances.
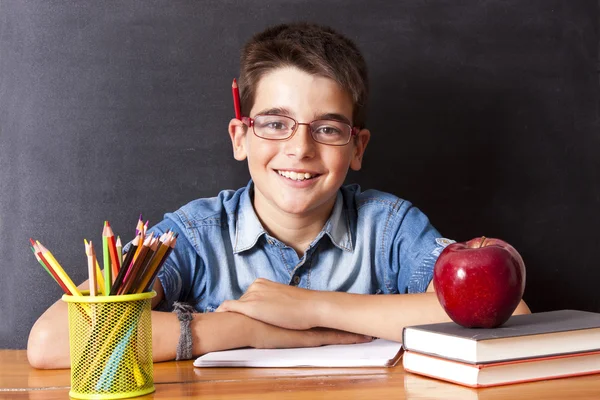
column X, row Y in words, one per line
column 502, row 373
column 377, row 353
column 521, row 337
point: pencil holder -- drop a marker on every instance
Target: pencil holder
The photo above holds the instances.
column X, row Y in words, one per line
column 110, row 339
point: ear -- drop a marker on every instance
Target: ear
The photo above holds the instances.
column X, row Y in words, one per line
column 361, row 141
column 237, row 133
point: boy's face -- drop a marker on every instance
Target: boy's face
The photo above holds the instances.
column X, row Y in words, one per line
column 304, row 97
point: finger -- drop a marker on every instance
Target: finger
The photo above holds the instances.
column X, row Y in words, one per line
column 225, row 306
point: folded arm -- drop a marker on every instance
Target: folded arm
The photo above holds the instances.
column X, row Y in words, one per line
column 48, row 345
column 381, row 316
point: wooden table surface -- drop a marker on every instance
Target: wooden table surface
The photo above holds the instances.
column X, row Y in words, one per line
column 180, row 380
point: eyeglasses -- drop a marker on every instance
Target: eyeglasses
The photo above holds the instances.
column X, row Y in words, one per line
column 281, row 127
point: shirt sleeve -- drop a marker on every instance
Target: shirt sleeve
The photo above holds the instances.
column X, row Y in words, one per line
column 417, row 245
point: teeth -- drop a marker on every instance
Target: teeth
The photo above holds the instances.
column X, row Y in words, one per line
column 296, row 176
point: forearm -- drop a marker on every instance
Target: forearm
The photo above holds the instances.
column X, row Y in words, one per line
column 210, row 332
column 381, row 315
column 48, row 345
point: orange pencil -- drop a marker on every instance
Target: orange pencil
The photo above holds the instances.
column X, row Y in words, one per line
column 140, row 225
column 162, row 261
column 236, row 99
column 155, row 263
column 133, row 270
column 158, row 248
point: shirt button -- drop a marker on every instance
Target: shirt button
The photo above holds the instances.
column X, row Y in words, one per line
column 296, row 280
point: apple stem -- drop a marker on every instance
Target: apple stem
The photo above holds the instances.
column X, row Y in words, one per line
column 483, row 239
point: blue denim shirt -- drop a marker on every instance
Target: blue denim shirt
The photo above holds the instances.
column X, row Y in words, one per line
column 373, row 242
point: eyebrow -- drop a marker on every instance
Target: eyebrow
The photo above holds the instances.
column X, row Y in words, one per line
column 288, row 113
column 276, row 110
column 334, row 116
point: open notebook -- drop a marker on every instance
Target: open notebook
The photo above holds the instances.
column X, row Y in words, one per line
column 378, row 353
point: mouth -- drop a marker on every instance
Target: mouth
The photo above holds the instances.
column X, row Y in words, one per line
column 296, row 176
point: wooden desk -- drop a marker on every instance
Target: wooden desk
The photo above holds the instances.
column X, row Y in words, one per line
column 180, row 380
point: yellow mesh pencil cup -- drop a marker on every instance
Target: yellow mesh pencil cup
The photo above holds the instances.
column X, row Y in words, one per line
column 110, row 339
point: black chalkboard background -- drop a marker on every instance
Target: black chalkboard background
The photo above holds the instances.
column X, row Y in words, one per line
column 485, row 114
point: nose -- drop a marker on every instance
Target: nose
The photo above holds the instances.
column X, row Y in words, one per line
column 301, row 144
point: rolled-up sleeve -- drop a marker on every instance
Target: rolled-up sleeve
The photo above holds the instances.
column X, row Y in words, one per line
column 417, row 245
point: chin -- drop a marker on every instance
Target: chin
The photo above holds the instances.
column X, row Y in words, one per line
column 294, row 208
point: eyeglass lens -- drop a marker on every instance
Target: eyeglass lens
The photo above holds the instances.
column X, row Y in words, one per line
column 279, row 127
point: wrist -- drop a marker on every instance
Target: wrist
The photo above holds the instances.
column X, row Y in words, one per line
column 323, row 309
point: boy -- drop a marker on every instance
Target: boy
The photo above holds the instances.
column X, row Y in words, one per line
column 304, row 255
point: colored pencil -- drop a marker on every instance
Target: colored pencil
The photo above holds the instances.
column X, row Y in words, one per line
column 136, row 264
column 148, row 281
column 106, row 261
column 140, row 225
column 99, row 277
column 51, row 261
column 112, row 250
column 158, row 254
column 89, row 251
column 126, row 264
column 48, row 268
column 236, row 99
column 119, row 251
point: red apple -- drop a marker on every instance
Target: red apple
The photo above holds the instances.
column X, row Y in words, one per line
column 479, row 283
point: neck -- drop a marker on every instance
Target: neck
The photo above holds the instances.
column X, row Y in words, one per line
column 295, row 230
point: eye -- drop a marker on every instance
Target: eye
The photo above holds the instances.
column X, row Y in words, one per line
column 329, row 130
column 275, row 125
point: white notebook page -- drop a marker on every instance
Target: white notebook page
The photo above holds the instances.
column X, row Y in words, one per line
column 378, row 353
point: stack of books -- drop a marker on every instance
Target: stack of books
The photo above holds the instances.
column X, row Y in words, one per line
column 528, row 347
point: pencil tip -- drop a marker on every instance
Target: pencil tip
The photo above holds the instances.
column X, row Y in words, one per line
column 31, row 241
column 234, row 84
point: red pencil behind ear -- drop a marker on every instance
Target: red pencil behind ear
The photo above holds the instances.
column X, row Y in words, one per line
column 236, row 99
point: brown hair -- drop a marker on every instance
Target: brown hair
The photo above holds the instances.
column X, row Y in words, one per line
column 311, row 48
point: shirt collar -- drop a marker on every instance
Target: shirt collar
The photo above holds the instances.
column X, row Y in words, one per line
column 337, row 226
column 249, row 229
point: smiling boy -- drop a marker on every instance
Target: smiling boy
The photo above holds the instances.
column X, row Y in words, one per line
column 294, row 258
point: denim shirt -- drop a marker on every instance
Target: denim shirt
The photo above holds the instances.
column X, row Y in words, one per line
column 373, row 242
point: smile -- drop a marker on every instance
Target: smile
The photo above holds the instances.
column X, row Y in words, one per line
column 296, row 176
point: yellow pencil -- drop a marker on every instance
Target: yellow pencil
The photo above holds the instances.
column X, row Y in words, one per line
column 89, row 251
column 120, row 251
column 59, row 270
column 99, row 278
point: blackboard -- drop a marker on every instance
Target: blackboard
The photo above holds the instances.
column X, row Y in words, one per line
column 484, row 114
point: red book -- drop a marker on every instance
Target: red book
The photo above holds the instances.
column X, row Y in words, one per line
column 502, row 373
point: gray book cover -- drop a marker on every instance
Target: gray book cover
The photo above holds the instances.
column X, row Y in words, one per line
column 519, row 325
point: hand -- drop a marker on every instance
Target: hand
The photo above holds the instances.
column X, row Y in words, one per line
column 278, row 304
column 267, row 336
